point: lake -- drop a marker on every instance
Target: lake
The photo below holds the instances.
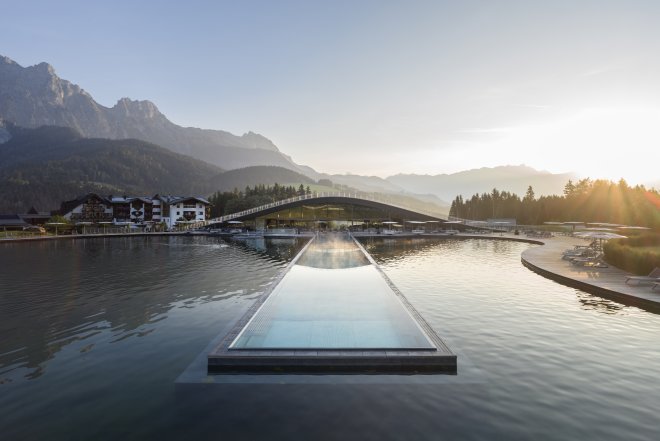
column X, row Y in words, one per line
column 106, row 339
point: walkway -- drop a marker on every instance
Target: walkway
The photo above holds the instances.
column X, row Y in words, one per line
column 367, row 199
column 607, row 282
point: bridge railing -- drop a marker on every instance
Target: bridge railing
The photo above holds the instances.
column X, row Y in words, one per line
column 316, row 195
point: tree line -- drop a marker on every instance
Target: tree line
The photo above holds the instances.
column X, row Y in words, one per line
column 227, row 202
column 585, row 201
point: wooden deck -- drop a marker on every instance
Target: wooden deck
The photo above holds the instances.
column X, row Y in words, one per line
column 607, row 282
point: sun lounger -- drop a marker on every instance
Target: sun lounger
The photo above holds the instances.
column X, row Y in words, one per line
column 593, row 262
column 654, row 276
column 579, row 252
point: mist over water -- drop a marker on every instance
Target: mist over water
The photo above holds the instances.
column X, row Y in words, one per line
column 95, row 333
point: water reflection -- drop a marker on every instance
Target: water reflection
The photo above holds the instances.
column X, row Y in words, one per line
column 557, row 363
column 57, row 293
column 333, row 251
column 599, row 304
column 333, row 298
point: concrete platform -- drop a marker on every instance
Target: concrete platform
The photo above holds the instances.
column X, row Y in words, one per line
column 606, row 282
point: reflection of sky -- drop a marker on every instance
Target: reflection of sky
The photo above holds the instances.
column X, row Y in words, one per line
column 332, row 298
column 345, row 308
column 333, row 254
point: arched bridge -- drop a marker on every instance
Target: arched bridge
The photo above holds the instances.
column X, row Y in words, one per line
column 358, row 199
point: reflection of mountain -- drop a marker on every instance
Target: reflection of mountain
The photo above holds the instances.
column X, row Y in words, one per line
column 275, row 249
column 386, row 250
column 57, row 293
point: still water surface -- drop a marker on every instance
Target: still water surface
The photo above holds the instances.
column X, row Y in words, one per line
column 95, row 333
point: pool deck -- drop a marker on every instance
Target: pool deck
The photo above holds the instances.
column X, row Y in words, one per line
column 607, row 282
column 436, row 359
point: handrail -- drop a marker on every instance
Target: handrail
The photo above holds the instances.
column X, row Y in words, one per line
column 316, row 195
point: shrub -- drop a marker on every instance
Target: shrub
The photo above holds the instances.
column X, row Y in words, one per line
column 638, row 255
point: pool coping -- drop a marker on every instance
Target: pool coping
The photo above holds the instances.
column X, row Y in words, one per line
column 440, row 359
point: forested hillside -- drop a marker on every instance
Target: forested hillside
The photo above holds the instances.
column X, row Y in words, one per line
column 41, row 167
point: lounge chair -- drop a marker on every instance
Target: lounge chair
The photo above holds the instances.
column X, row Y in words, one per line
column 654, row 276
column 579, row 252
column 593, row 262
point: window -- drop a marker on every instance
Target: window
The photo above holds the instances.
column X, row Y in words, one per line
column 178, row 213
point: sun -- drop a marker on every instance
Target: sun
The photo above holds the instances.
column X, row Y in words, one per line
column 610, row 143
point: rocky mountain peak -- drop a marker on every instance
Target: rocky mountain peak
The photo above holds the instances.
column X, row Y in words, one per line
column 7, row 61
column 43, row 67
column 137, row 109
column 257, row 141
column 35, row 96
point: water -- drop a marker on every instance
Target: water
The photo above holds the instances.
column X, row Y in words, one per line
column 95, row 333
column 332, row 298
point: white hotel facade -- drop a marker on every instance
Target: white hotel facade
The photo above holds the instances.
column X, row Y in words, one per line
column 170, row 210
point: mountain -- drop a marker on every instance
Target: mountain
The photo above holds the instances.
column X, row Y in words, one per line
column 34, row 96
column 267, row 175
column 4, row 132
column 366, row 183
column 510, row 178
column 44, row 166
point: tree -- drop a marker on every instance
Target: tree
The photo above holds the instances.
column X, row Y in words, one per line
column 569, row 188
column 58, row 219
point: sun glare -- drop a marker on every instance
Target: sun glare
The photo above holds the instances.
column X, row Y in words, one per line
column 600, row 143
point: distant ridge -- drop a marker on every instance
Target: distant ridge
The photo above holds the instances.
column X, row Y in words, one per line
column 255, row 175
column 512, row 178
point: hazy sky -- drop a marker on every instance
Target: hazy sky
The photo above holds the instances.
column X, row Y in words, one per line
column 376, row 87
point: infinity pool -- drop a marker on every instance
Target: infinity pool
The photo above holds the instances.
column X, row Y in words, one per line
column 333, row 298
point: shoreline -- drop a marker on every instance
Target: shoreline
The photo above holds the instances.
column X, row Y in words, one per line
column 544, row 260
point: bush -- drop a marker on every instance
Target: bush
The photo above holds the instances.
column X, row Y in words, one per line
column 638, row 255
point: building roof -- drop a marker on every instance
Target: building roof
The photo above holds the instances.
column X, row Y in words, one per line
column 67, row 206
column 12, row 220
column 169, row 199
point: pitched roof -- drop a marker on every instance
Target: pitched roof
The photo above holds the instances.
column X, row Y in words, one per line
column 12, row 220
column 67, row 206
column 169, row 199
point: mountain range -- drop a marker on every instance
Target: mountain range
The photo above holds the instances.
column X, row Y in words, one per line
column 512, row 178
column 33, row 97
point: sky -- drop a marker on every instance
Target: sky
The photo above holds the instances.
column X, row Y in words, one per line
column 376, row 87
